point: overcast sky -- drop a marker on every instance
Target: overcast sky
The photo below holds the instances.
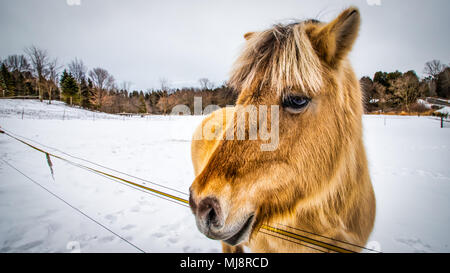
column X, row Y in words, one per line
column 183, row 40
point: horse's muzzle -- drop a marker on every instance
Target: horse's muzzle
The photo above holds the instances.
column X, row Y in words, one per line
column 210, row 221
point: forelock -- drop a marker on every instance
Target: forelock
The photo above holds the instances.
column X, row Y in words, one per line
column 279, row 58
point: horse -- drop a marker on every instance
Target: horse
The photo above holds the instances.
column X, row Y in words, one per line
column 315, row 176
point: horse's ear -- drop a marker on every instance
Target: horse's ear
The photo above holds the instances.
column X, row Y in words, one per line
column 334, row 40
column 248, row 35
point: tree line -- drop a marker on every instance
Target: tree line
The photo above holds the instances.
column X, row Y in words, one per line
column 397, row 91
column 35, row 74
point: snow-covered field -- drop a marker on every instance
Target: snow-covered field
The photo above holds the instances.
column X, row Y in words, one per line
column 409, row 161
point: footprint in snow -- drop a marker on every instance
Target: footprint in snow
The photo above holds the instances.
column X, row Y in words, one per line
column 111, row 218
column 128, row 227
column 106, row 239
column 158, row 234
column 188, row 249
column 29, row 246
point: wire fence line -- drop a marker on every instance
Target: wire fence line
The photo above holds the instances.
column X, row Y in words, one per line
column 288, row 235
column 442, row 121
column 96, row 164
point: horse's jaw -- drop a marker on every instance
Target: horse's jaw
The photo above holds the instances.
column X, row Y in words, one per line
column 243, row 232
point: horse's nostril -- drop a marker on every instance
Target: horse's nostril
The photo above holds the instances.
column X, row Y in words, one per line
column 211, row 218
column 209, row 212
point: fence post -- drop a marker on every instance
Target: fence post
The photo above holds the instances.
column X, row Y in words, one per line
column 442, row 121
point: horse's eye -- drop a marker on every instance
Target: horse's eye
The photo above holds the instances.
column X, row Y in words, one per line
column 295, row 104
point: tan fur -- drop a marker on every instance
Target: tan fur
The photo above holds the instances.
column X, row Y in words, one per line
column 317, row 180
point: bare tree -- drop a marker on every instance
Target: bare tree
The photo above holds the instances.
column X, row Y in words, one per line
column 77, row 69
column 163, row 101
column 165, row 84
column 205, row 84
column 99, row 77
column 110, row 83
column 17, row 63
column 52, row 74
column 102, row 80
column 369, row 93
column 406, row 88
column 380, row 93
column 126, row 86
column 39, row 60
column 433, row 68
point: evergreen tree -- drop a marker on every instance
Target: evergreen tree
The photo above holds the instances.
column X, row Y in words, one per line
column 443, row 83
column 86, row 93
column 63, row 77
column 69, row 87
column 381, row 78
column 29, row 91
column 7, row 83
column 90, row 84
column 20, row 84
column 405, row 89
column 392, row 76
column 142, row 105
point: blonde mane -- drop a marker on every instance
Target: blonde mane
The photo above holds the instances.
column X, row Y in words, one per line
column 279, row 57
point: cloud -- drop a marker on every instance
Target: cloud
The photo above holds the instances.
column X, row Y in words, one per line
column 73, row 2
column 374, row 2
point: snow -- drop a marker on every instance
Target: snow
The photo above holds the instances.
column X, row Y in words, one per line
column 441, row 106
column 408, row 159
column 425, row 103
column 34, row 109
column 444, row 110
